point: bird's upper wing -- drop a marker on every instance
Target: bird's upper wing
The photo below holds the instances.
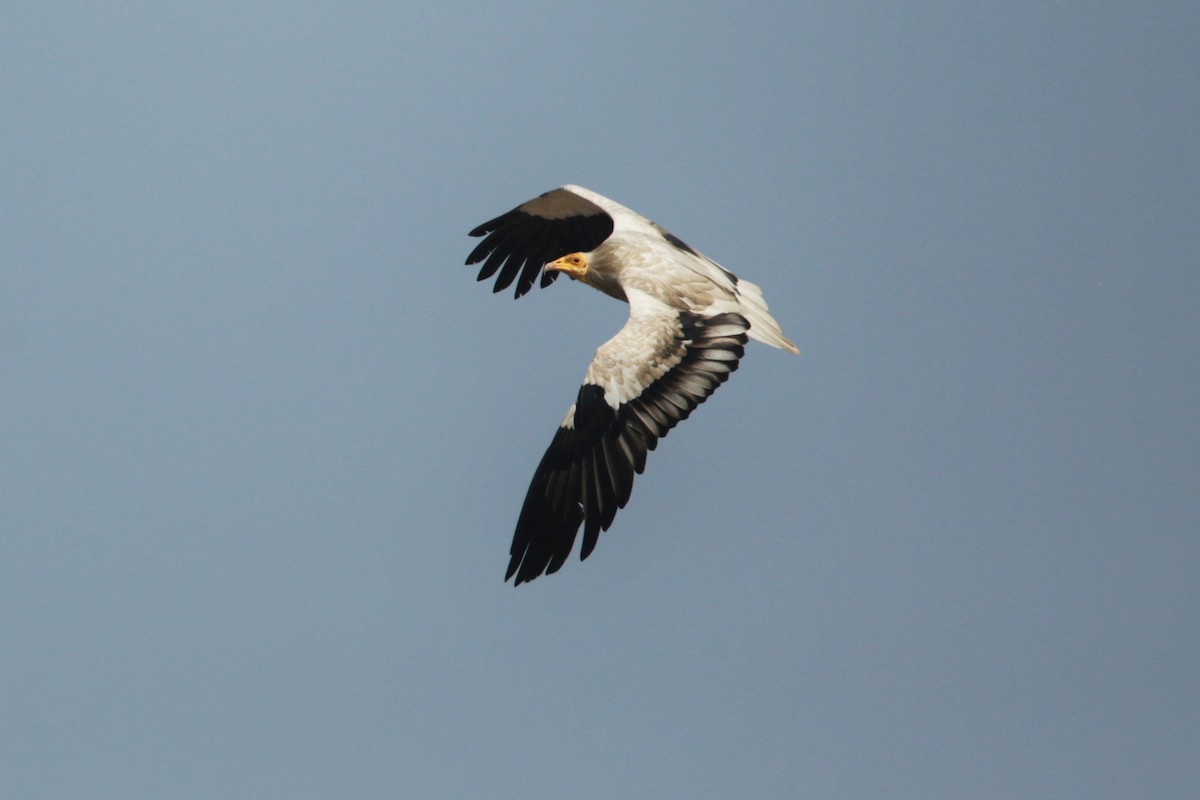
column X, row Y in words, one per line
column 643, row 381
column 547, row 227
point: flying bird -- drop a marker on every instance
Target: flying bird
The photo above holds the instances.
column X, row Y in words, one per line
column 689, row 319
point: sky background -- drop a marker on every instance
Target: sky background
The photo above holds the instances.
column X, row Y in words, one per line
column 263, row 438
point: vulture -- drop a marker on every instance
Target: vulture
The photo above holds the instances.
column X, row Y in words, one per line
column 689, row 319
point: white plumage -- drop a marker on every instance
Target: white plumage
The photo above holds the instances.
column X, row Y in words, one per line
column 689, row 318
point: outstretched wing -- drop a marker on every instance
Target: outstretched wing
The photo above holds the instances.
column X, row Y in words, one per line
column 643, row 381
column 547, row 227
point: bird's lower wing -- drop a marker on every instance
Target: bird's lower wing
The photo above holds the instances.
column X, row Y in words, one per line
column 643, row 381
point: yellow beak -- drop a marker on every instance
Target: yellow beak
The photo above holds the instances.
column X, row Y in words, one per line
column 574, row 264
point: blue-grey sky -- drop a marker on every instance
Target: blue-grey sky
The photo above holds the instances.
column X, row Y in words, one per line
column 263, row 438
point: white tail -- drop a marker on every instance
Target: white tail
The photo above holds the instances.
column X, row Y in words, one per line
column 763, row 326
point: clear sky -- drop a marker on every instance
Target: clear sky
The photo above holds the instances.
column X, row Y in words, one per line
column 263, row 438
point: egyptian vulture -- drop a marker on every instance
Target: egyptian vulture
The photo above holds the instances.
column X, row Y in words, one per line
column 688, row 321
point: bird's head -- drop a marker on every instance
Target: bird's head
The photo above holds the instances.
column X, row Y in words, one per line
column 574, row 265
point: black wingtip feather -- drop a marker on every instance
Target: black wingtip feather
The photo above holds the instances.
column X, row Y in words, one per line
column 522, row 240
column 587, row 473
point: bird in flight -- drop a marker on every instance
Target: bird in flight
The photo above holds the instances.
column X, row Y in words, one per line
column 689, row 319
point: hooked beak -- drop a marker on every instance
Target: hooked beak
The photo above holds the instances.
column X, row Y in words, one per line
column 574, row 264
